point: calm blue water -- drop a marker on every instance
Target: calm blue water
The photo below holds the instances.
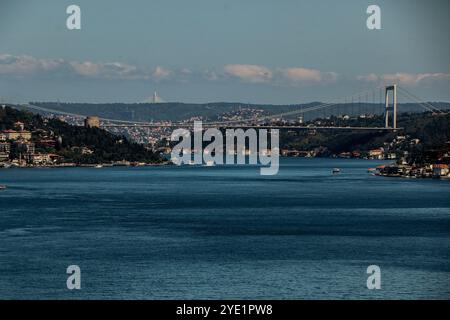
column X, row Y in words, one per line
column 223, row 233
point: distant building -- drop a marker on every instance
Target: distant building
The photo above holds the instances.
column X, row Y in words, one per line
column 19, row 126
column 392, row 156
column 92, row 122
column 4, row 157
column 47, row 142
column 5, row 149
column 155, row 98
column 376, row 153
column 25, row 147
column 39, row 158
column 440, row 170
column 16, row 135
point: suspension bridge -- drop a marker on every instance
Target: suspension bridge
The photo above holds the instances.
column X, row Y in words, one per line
column 382, row 100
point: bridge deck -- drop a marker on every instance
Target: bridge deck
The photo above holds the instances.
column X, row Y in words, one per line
column 206, row 125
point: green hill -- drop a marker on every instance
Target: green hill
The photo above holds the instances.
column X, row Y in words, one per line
column 105, row 146
column 433, row 131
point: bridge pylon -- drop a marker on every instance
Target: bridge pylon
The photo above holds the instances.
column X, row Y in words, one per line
column 388, row 109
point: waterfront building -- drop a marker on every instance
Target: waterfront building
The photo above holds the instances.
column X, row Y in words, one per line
column 25, row 147
column 440, row 170
column 376, row 153
column 5, row 147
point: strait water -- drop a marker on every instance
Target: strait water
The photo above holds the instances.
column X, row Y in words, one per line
column 223, row 233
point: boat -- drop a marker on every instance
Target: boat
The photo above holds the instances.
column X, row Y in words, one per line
column 336, row 170
column 2, row 187
column 210, row 163
column 98, row 166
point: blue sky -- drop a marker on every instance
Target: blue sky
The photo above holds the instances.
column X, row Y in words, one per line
column 256, row 51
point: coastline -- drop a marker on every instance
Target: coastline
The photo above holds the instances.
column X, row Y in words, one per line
column 97, row 165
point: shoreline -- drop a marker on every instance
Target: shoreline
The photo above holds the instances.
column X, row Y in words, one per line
column 95, row 166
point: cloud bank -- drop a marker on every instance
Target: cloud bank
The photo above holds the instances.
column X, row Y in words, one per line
column 408, row 79
column 28, row 66
column 25, row 66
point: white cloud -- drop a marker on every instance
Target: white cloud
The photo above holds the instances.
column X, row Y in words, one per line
column 368, row 78
column 210, row 75
column 249, row 72
column 409, row 79
column 86, row 68
column 26, row 65
column 161, row 73
column 109, row 70
column 306, row 76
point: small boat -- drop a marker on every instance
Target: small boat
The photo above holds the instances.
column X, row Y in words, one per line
column 336, row 170
column 2, row 187
column 98, row 166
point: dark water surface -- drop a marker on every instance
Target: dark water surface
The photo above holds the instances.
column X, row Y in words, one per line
column 223, row 232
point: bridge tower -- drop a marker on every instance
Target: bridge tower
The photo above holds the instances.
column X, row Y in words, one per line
column 388, row 109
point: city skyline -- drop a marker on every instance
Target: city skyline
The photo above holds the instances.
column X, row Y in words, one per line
column 205, row 51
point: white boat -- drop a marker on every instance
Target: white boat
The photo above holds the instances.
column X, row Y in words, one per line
column 2, row 187
column 210, row 163
column 98, row 166
column 336, row 170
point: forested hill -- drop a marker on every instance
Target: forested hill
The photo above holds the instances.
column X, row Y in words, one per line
column 433, row 131
column 105, row 146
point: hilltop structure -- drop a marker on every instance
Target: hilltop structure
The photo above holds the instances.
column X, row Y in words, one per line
column 92, row 122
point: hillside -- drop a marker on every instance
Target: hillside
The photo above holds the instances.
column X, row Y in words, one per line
column 73, row 141
column 432, row 131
